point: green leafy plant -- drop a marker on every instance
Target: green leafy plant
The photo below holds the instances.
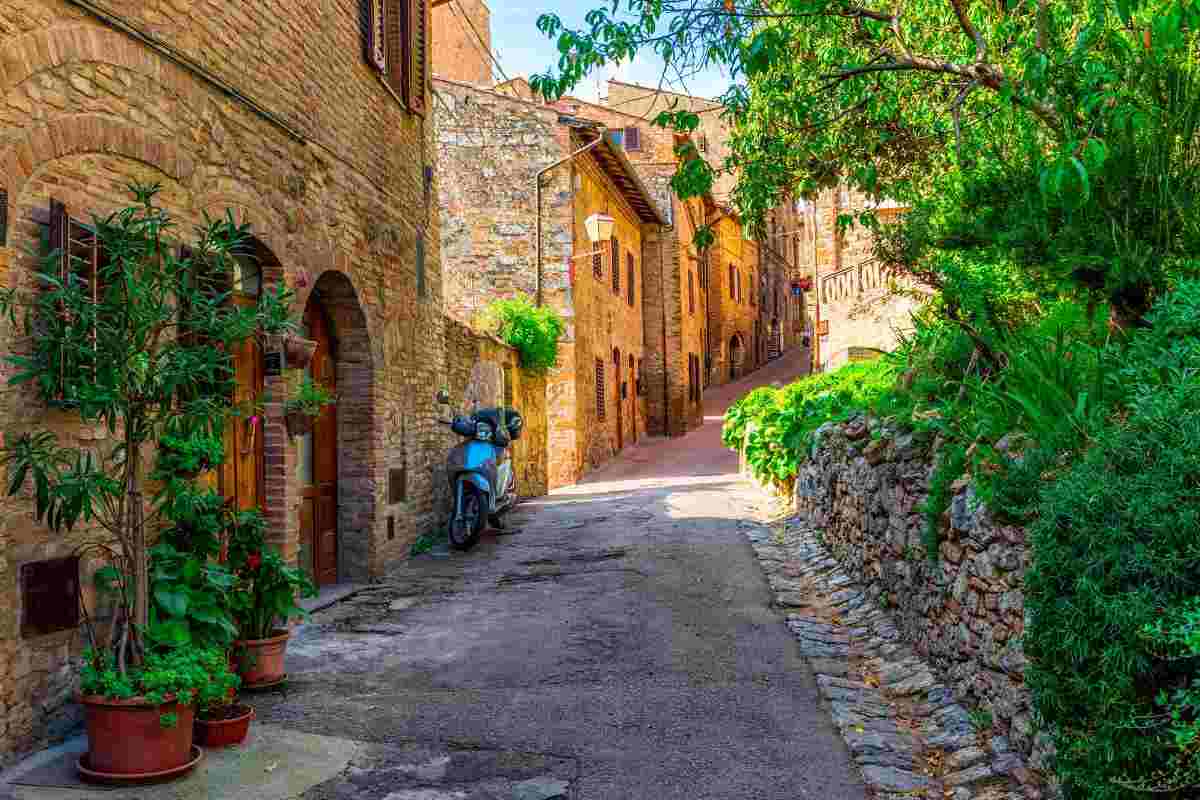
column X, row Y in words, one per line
column 188, row 455
column 185, row 675
column 140, row 346
column 308, row 398
column 267, row 586
column 533, row 331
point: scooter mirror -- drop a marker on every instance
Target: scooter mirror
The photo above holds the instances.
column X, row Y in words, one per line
column 442, row 397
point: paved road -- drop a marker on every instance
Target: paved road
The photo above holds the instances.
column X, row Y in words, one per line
column 621, row 642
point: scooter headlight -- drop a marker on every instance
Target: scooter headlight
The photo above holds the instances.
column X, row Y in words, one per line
column 483, row 431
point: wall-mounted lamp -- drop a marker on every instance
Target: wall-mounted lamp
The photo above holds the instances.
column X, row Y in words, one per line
column 599, row 227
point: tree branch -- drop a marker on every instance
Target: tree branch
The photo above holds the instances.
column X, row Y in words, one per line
column 970, row 30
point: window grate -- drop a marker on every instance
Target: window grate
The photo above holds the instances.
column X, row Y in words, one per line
column 598, row 264
column 601, row 405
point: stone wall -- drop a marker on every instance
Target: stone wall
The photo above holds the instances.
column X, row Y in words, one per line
column 486, row 370
column 330, row 171
column 732, row 317
column 862, row 491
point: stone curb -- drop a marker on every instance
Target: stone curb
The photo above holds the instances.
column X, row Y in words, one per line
column 904, row 730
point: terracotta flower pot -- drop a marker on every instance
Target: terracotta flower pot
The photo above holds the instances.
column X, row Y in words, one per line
column 298, row 423
column 213, row 733
column 260, row 662
column 128, row 738
column 298, row 351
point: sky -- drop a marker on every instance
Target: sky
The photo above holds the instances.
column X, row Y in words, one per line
column 523, row 50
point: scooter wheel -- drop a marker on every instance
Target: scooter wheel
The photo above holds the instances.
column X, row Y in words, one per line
column 465, row 528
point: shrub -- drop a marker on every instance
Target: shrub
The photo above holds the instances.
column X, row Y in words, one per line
column 532, row 330
column 1116, row 568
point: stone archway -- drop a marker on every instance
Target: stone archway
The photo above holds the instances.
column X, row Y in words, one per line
column 356, row 426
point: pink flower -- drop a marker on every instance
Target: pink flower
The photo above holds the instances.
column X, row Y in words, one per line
column 254, row 420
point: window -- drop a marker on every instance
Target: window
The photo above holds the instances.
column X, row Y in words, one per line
column 631, row 269
column 81, row 262
column 601, row 406
column 633, row 138
column 691, row 293
column 395, row 45
column 615, row 260
column 732, row 283
column 598, row 263
column 3, row 218
column 422, row 290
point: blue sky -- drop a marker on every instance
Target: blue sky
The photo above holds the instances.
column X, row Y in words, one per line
column 523, row 50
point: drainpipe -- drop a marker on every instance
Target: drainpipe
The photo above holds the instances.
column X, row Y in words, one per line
column 662, row 290
column 537, row 179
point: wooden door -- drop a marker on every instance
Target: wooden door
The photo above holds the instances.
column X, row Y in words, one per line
column 620, row 399
column 318, row 457
column 241, row 474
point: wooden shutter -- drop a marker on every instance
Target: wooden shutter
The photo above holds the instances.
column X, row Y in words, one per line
column 600, row 401
column 598, row 263
column 3, row 217
column 691, row 293
column 633, row 138
column 616, row 270
column 732, row 284
column 396, row 31
column 373, row 22
column 418, row 53
column 630, row 278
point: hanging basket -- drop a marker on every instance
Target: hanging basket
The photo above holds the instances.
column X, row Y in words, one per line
column 298, row 423
column 298, row 352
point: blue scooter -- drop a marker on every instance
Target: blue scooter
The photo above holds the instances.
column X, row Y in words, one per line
column 480, row 470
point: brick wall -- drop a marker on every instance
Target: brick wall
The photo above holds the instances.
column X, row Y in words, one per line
column 462, row 41
column 326, row 166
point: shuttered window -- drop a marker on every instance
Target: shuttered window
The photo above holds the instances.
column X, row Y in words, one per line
column 691, row 293
column 598, row 264
column 601, row 405
column 80, row 262
column 615, row 260
column 3, row 218
column 630, row 278
column 633, row 138
column 396, row 45
column 732, row 283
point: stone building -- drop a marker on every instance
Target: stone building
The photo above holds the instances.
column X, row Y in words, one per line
column 734, row 329
column 324, row 149
column 854, row 304
column 462, row 41
column 518, row 182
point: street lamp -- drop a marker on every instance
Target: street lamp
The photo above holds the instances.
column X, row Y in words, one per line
column 599, row 227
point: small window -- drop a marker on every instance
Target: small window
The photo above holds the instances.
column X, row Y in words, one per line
column 421, row 287
column 631, row 269
column 601, row 406
column 633, row 138
column 398, row 483
column 615, row 261
column 49, row 596
column 691, row 293
column 732, row 283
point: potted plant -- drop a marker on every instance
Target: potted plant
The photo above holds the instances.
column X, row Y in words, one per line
column 304, row 405
column 221, row 721
column 264, row 600
column 139, row 718
column 141, row 345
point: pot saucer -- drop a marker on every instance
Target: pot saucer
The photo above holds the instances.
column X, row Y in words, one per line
column 113, row 779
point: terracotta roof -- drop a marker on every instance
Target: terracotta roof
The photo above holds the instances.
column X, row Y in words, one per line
column 611, row 157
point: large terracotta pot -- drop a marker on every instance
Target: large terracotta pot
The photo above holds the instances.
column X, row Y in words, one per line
column 127, row 737
column 212, row 733
column 260, row 661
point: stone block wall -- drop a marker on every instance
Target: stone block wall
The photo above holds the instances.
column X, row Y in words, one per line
column 862, row 491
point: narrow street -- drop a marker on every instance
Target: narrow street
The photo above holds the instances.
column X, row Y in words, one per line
column 618, row 640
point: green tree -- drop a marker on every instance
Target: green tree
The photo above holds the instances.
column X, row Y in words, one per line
column 141, row 346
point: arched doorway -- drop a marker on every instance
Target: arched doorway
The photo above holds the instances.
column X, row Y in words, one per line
column 317, row 457
column 633, row 395
column 735, row 357
column 616, row 354
column 338, row 464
